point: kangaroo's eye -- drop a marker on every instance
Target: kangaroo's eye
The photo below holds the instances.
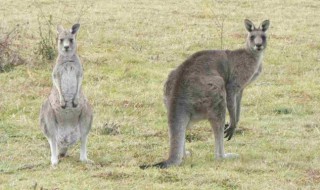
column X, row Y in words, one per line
column 61, row 40
column 71, row 40
column 263, row 38
column 252, row 38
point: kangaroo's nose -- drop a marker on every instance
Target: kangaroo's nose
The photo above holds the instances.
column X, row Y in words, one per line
column 66, row 48
column 258, row 45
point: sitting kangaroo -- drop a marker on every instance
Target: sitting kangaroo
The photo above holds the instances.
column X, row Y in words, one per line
column 66, row 116
column 204, row 85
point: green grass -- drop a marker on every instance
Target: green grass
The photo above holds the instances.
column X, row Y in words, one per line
column 127, row 49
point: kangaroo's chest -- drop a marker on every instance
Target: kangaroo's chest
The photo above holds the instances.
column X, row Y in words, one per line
column 69, row 80
column 247, row 72
column 256, row 74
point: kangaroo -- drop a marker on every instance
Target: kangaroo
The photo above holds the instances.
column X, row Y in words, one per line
column 205, row 85
column 66, row 116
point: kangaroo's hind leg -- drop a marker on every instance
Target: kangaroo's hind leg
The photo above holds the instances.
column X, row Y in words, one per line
column 178, row 122
column 54, row 151
column 217, row 121
column 85, row 126
column 49, row 127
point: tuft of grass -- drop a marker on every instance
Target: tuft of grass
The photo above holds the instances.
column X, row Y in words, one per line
column 110, row 128
column 283, row 111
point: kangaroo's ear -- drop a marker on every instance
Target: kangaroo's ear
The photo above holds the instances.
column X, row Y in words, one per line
column 60, row 29
column 265, row 25
column 75, row 28
column 249, row 25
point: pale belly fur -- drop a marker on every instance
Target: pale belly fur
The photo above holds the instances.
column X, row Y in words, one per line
column 69, row 85
column 68, row 126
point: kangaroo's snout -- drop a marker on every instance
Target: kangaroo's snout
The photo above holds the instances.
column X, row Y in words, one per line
column 66, row 45
column 259, row 47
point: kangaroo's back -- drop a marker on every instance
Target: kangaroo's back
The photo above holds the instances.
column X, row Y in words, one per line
column 203, row 63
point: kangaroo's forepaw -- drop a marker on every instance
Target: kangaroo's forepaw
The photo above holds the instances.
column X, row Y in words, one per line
column 74, row 105
column 226, row 126
column 75, row 102
column 63, row 104
column 229, row 131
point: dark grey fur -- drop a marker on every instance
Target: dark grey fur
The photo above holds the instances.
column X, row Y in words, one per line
column 205, row 85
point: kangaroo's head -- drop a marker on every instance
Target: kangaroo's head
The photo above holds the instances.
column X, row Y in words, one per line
column 257, row 38
column 67, row 40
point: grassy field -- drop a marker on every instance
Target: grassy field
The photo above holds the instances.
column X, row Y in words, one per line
column 127, row 48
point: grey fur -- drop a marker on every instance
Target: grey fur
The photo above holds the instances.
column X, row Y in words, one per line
column 66, row 116
column 205, row 85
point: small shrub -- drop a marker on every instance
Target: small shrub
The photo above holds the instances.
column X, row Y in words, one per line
column 110, row 128
column 46, row 46
column 9, row 51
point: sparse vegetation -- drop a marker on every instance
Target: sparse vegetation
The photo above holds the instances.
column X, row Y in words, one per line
column 46, row 46
column 9, row 49
column 110, row 128
column 127, row 50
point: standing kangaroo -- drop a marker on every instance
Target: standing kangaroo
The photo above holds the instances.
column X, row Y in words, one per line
column 66, row 116
column 204, row 85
